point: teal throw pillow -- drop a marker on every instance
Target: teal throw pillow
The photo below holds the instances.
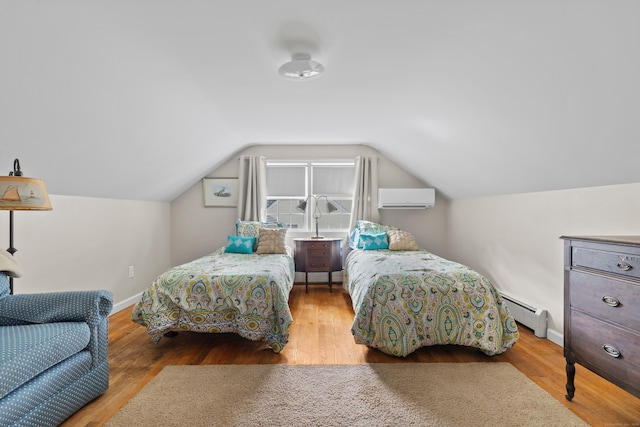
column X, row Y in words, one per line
column 366, row 227
column 374, row 241
column 240, row 244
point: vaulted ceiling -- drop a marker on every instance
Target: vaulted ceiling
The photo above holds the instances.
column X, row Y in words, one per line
column 139, row 99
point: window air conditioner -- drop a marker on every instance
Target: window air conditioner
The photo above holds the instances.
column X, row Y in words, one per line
column 406, row 198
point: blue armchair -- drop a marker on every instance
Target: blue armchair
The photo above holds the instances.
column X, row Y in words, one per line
column 53, row 354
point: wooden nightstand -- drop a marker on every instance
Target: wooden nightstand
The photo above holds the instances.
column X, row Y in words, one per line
column 318, row 255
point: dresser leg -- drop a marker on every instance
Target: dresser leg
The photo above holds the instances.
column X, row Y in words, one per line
column 306, row 282
column 571, row 374
column 330, row 283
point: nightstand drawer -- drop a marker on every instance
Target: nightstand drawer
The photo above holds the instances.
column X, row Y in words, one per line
column 613, row 351
column 318, row 246
column 612, row 262
column 318, row 264
column 319, row 253
column 606, row 298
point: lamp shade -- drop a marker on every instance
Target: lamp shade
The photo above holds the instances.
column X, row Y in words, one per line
column 302, row 206
column 18, row 193
column 331, row 207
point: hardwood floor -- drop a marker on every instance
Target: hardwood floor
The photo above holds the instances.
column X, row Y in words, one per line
column 321, row 334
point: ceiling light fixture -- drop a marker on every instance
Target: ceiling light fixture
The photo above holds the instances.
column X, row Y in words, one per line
column 301, row 67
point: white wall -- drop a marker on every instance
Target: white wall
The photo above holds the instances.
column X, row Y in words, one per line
column 89, row 243
column 515, row 240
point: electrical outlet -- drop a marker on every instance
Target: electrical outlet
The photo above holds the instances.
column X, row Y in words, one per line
column 131, row 271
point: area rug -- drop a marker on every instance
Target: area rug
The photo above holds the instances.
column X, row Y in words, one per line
column 382, row 394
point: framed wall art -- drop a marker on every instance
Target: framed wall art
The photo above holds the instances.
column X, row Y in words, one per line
column 220, row 192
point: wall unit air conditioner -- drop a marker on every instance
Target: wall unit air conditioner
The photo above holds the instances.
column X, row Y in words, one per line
column 406, row 198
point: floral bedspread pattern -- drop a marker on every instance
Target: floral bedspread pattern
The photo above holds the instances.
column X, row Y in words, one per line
column 404, row 300
column 247, row 294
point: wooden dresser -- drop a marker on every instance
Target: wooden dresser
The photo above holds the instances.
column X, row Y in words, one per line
column 318, row 255
column 602, row 308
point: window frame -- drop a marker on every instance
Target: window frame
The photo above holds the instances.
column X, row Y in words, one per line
column 344, row 201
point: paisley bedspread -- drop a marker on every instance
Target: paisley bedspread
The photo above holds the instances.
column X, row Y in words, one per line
column 247, row 294
column 404, row 300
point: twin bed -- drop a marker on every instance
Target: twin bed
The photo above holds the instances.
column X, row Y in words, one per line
column 242, row 288
column 403, row 297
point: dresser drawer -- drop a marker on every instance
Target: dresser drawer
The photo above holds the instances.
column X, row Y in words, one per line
column 606, row 298
column 589, row 335
column 612, row 262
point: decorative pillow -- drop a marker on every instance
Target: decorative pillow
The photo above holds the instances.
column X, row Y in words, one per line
column 354, row 238
column 400, row 240
column 366, row 227
column 240, row 244
column 374, row 241
column 252, row 229
column 9, row 265
column 369, row 227
column 247, row 228
column 272, row 241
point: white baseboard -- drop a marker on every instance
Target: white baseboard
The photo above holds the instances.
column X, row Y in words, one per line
column 555, row 337
column 125, row 304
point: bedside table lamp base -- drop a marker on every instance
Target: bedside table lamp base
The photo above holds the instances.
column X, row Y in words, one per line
column 317, row 236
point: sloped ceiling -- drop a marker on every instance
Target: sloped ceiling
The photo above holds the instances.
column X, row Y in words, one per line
column 139, row 99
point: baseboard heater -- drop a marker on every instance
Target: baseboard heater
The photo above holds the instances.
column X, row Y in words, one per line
column 531, row 317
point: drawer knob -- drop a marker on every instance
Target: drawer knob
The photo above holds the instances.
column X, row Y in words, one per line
column 624, row 266
column 611, row 350
column 612, row 301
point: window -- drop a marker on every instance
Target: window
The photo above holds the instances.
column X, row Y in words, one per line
column 291, row 182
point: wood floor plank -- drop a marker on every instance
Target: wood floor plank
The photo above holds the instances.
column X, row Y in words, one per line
column 321, row 334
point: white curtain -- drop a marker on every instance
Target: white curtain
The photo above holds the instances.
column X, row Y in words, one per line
column 365, row 191
column 252, row 188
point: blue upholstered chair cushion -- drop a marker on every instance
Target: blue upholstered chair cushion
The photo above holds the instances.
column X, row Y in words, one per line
column 28, row 350
column 4, row 285
column 53, row 355
column 52, row 389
